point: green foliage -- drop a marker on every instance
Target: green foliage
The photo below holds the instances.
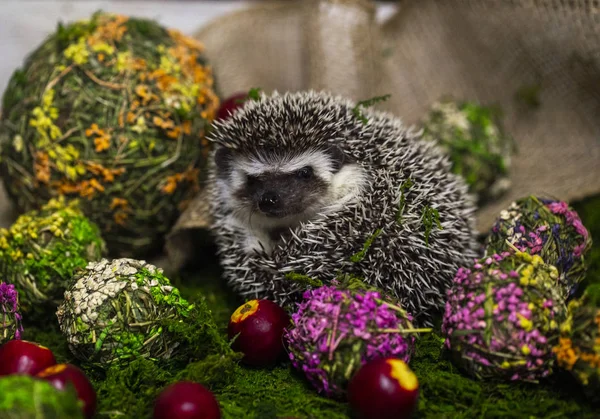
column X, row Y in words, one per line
column 404, row 187
column 366, row 104
column 254, row 93
column 359, row 256
column 430, row 219
column 24, row 397
column 303, row 279
column 473, row 138
column 32, row 253
column 282, row 392
column 446, row 393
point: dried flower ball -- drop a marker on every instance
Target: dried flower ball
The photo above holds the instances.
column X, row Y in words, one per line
column 115, row 311
column 26, row 397
column 578, row 350
column 113, row 110
column 474, row 140
column 502, row 317
column 42, row 250
column 336, row 331
column 548, row 228
column 10, row 318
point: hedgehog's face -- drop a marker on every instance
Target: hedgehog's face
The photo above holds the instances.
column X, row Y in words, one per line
column 278, row 188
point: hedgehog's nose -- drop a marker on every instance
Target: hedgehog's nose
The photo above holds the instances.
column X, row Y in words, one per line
column 269, row 202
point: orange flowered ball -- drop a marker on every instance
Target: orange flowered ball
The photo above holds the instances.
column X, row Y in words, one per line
column 112, row 110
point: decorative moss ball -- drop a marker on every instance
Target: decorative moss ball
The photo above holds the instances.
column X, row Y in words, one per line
column 26, row 397
column 337, row 331
column 548, row 228
column 578, row 350
column 502, row 317
column 113, row 110
column 42, row 250
column 10, row 318
column 474, row 140
column 115, row 311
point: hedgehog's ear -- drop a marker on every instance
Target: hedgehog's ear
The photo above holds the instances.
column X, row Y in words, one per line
column 223, row 158
column 338, row 157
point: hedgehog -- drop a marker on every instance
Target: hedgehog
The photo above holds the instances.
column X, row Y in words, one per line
column 306, row 188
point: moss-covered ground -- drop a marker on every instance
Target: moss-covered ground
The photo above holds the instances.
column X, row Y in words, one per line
column 280, row 392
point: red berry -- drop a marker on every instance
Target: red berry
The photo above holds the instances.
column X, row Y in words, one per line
column 229, row 105
column 186, row 400
column 24, row 357
column 260, row 324
column 61, row 375
column 384, row 388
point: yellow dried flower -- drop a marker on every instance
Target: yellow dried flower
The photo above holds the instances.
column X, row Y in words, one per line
column 78, row 52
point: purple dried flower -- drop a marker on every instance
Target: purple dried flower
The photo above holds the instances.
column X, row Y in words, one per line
column 547, row 228
column 10, row 318
column 336, row 331
column 509, row 332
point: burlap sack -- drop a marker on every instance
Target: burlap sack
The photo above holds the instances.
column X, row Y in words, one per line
column 491, row 51
column 484, row 50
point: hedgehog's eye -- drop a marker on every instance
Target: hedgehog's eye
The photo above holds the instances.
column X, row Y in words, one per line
column 305, row 173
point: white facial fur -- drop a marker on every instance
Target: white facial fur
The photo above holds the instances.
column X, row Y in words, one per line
column 344, row 186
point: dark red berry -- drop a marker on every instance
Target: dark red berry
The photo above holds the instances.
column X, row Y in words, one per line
column 186, row 400
column 384, row 388
column 63, row 375
column 229, row 105
column 260, row 325
column 24, row 357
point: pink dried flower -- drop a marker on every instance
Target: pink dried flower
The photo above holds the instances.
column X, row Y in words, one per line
column 336, row 331
column 10, row 318
column 501, row 320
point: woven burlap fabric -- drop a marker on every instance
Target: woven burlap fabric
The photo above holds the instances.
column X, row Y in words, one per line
column 481, row 50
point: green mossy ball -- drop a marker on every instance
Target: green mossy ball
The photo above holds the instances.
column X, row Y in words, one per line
column 25, row 397
column 473, row 139
column 42, row 250
column 115, row 311
column 113, row 110
column 578, row 350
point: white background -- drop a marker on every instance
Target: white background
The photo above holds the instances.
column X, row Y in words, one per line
column 25, row 23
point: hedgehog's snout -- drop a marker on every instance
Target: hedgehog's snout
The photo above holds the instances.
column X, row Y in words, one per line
column 270, row 203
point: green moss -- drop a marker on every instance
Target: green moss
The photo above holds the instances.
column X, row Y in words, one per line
column 24, row 397
column 282, row 392
column 359, row 256
column 366, row 104
column 32, row 253
column 404, row 187
column 430, row 219
column 303, row 279
column 279, row 392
